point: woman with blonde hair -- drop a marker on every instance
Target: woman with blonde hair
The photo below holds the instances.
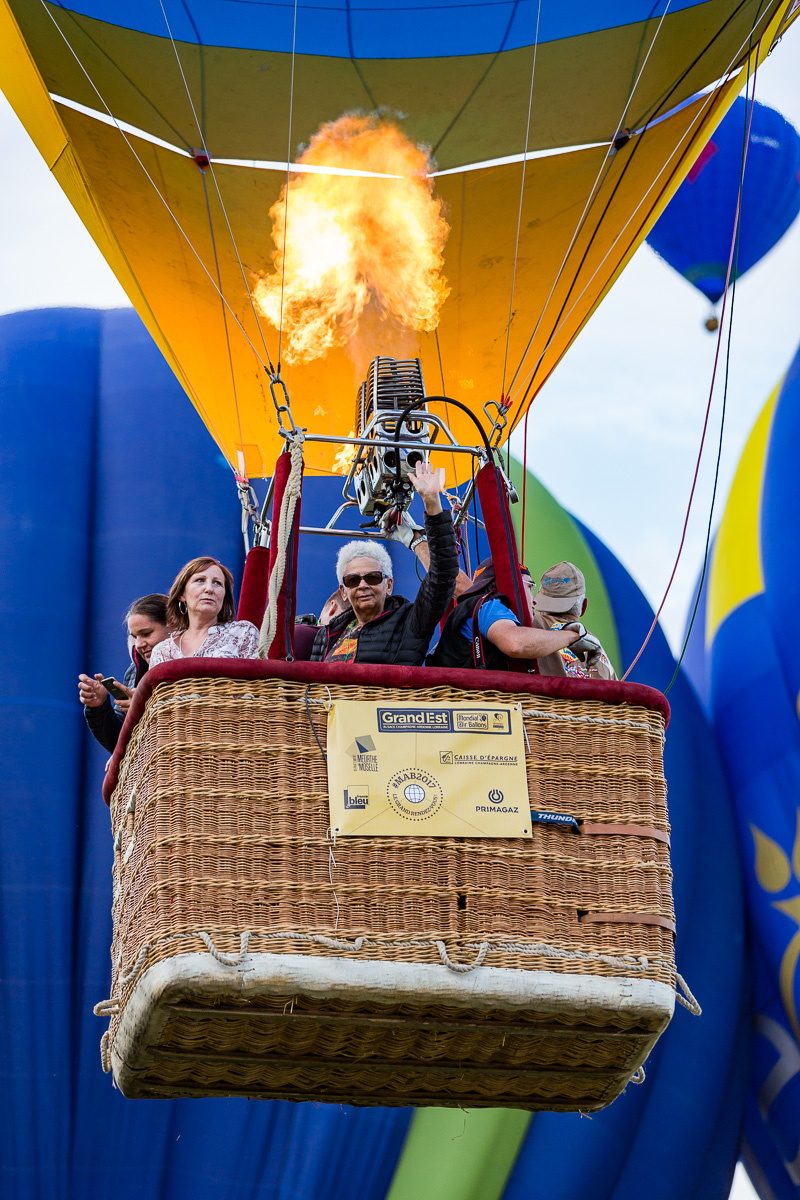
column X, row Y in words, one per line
column 201, row 615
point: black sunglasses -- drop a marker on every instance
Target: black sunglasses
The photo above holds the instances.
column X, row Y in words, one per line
column 373, row 578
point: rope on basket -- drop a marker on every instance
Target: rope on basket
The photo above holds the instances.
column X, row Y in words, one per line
column 462, row 968
column 690, row 1002
column 281, row 530
column 580, row 720
column 105, row 1053
column 227, row 960
column 638, row 1075
column 534, row 949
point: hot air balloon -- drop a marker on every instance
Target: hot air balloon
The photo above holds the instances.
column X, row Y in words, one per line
column 752, row 685
column 68, row 382
column 264, row 273
column 695, row 232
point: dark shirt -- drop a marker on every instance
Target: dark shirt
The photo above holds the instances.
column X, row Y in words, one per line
column 402, row 632
column 106, row 721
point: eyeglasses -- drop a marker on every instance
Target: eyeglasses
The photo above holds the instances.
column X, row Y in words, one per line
column 373, row 578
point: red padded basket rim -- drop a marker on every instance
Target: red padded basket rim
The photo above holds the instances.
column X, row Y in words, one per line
column 378, row 675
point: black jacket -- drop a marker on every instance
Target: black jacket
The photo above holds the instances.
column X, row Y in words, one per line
column 106, row 721
column 454, row 650
column 402, row 633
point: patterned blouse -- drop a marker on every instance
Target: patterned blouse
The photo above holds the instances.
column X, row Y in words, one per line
column 345, row 648
column 237, row 639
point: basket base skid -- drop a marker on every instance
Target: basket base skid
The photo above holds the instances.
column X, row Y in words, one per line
column 337, row 1030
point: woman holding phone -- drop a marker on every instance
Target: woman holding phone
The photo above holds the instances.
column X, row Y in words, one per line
column 146, row 620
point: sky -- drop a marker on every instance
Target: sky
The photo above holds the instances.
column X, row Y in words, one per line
column 614, row 433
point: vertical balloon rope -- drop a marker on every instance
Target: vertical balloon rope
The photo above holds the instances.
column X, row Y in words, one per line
column 521, row 199
column 751, row 101
column 734, row 244
column 158, row 192
column 286, row 194
column 214, row 177
column 524, row 481
column 593, row 194
column 241, row 467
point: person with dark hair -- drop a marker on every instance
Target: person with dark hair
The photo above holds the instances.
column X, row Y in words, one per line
column 146, row 620
column 201, row 616
column 483, row 631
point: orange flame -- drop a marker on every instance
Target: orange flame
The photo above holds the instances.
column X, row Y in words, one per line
column 355, row 241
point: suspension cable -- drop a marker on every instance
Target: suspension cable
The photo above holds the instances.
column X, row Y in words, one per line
column 521, row 198
column 561, row 319
column 216, row 185
column 593, row 193
column 155, row 186
column 734, row 244
column 286, row 195
column 241, row 463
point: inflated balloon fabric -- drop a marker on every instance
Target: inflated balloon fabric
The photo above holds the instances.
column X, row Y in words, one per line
column 168, row 126
column 109, row 483
column 695, row 233
column 753, row 682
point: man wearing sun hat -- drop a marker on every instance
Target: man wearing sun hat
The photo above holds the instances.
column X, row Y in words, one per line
column 560, row 603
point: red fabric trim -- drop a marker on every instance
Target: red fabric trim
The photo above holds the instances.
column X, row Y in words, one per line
column 377, row 675
column 502, row 539
column 282, row 642
column 253, row 596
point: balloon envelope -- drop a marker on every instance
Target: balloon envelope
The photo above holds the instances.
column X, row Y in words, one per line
column 752, row 683
column 118, row 99
column 695, row 233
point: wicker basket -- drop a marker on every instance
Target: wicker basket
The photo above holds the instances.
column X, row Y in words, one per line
column 252, row 958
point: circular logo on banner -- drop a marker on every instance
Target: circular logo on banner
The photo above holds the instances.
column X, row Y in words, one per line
column 496, row 796
column 414, row 794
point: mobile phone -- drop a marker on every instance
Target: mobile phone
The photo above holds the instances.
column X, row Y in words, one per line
column 113, row 688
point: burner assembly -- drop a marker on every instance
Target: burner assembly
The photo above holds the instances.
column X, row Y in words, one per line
column 390, row 387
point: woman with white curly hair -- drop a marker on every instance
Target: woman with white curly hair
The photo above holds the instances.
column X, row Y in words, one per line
column 378, row 626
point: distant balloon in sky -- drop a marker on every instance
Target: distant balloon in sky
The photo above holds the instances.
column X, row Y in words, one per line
column 695, row 232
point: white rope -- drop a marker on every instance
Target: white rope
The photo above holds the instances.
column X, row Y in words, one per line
column 136, row 969
column 282, row 530
column 227, row 960
column 534, row 949
column 106, row 1008
column 553, row 716
column 689, row 1002
column 105, row 1053
column 638, row 1075
column 462, row 968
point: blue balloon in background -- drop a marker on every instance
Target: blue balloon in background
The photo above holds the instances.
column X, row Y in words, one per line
column 742, row 661
column 108, row 484
column 695, row 232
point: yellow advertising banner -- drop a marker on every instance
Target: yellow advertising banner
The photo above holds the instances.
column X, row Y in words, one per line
column 437, row 770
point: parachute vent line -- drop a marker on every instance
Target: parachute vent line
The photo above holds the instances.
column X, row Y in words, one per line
column 734, row 243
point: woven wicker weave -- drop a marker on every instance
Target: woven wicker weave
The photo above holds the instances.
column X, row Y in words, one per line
column 221, row 828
